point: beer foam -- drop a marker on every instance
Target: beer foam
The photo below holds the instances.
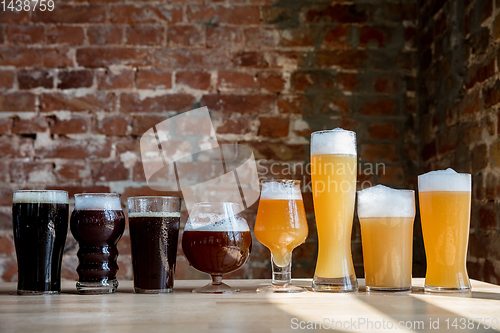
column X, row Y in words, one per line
column 53, row 197
column 444, row 180
column 336, row 141
column 154, row 214
column 280, row 191
column 383, row 201
column 216, row 222
column 96, row 201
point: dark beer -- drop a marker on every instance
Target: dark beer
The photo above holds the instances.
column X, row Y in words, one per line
column 40, row 221
column 97, row 223
column 153, row 237
column 216, row 252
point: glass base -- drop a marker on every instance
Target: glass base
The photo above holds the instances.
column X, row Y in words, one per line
column 335, row 285
column 37, row 292
column 221, row 288
column 152, row 291
column 100, row 287
column 446, row 290
column 288, row 288
column 368, row 289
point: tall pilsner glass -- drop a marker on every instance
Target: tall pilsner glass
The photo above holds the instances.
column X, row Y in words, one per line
column 333, row 173
column 445, row 203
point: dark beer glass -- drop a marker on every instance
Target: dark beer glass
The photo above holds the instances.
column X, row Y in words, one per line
column 97, row 223
column 40, row 221
column 216, row 240
column 154, row 232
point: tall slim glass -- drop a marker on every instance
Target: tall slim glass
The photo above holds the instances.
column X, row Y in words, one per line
column 333, row 173
column 281, row 226
column 154, row 232
column 445, row 204
column 386, row 218
column 40, row 222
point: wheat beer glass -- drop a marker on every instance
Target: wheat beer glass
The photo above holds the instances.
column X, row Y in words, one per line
column 281, row 226
column 445, row 203
column 154, row 232
column 386, row 218
column 333, row 173
column 216, row 240
column 40, row 221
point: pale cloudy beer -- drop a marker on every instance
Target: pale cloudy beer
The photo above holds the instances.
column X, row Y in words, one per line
column 333, row 174
column 445, row 204
column 386, row 218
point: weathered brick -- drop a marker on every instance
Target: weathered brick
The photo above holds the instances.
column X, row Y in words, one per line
column 478, row 74
column 487, row 216
column 20, row 57
column 71, row 14
column 379, row 107
column 6, row 79
column 373, row 35
column 313, row 80
column 217, row 36
column 271, row 81
column 29, row 125
column 387, row 84
column 277, row 151
column 24, row 34
column 195, row 80
column 298, row 37
column 56, row 57
column 239, row 103
column 131, row 14
column 234, row 126
column 274, row 126
column 5, row 125
column 105, row 35
column 186, row 35
column 145, row 35
column 108, row 79
column 109, row 171
column 495, row 154
column 347, row 81
column 70, row 102
column 293, row 104
column 20, row 17
column 153, row 79
column 250, row 59
column 112, row 125
column 71, row 172
column 261, row 37
column 33, row 172
column 29, row 79
column 17, row 102
column 337, row 13
column 235, row 80
column 75, row 124
column 64, row 35
column 346, row 59
column 379, row 152
column 171, row 102
column 337, row 37
column 491, row 95
column 140, row 124
column 6, row 245
column 220, row 14
column 15, row 147
column 193, row 58
column 75, row 79
column 383, row 131
column 103, row 57
column 76, row 148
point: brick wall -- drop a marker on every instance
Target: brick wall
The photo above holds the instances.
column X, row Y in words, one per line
column 458, row 102
column 81, row 84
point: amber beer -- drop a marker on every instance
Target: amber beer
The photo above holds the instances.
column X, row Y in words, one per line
column 386, row 218
column 445, row 204
column 333, row 173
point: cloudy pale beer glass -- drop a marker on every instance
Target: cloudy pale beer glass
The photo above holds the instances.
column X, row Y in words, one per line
column 445, row 204
column 281, row 226
column 386, row 217
column 333, row 173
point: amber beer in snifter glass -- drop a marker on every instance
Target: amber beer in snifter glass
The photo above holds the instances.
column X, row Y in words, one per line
column 386, row 217
column 333, row 174
column 281, row 226
column 445, row 204
column 97, row 223
column 40, row 222
column 154, row 231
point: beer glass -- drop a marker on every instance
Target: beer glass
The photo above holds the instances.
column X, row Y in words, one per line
column 97, row 223
column 333, row 175
column 40, row 222
column 281, row 226
column 445, row 203
column 386, row 217
column 154, row 231
column 216, row 240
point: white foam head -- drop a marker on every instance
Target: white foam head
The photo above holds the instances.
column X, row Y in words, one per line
column 97, row 201
column 444, row 180
column 336, row 141
column 53, row 197
column 154, row 214
column 383, row 201
column 203, row 218
column 275, row 190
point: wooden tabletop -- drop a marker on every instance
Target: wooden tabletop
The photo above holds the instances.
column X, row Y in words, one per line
column 247, row 311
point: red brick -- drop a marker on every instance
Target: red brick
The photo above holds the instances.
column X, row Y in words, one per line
column 491, row 95
column 153, row 79
column 15, row 147
column 234, row 126
column 239, row 103
column 138, row 173
column 347, row 59
column 130, row 14
column 108, row 79
column 140, row 124
column 336, row 13
column 379, row 152
column 186, row 35
column 313, row 80
column 9, row 271
column 271, row 81
column 18, row 56
column 64, row 35
column 189, row 59
column 274, row 126
column 250, row 59
column 380, row 107
column 103, row 57
column 113, row 125
column 277, row 151
column 195, row 80
column 71, row 172
column 14, row 16
column 295, row 37
column 105, row 35
column 369, row 35
column 171, row 102
column 6, row 245
column 68, row 102
column 56, row 57
column 29, row 79
column 27, row 171
column 347, row 81
column 17, row 102
column 76, row 148
column 75, row 79
column 29, row 126
column 73, row 125
column 478, row 74
column 469, row 103
column 383, row 131
column 292, row 104
column 72, row 190
column 220, row 14
column 261, row 37
column 6, row 79
column 394, row 175
column 24, row 34
column 235, row 80
column 145, row 35
column 109, row 171
column 386, row 84
column 487, row 217
column 5, row 126
column 71, row 14
column 217, row 36
column 337, row 37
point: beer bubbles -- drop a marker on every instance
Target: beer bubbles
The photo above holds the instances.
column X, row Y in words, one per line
column 383, row 201
column 444, row 180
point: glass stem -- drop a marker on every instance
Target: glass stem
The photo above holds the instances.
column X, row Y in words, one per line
column 282, row 276
column 216, row 279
